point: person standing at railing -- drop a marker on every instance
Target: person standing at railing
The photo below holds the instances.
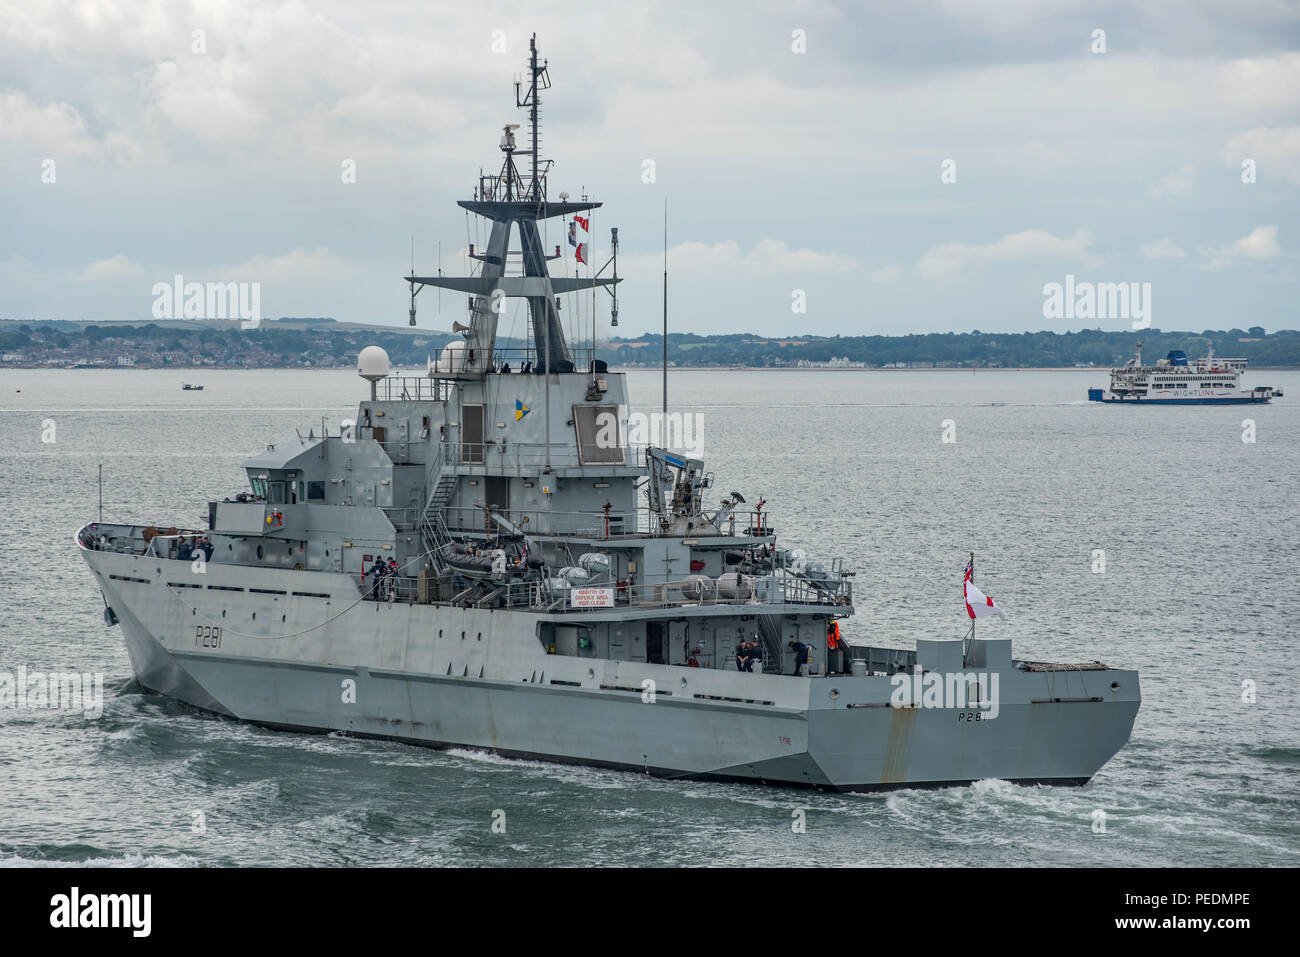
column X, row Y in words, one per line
column 755, row 655
column 834, row 644
column 393, row 574
column 743, row 660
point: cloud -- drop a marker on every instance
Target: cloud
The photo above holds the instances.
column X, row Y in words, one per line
column 300, row 265
column 767, row 257
column 240, row 145
column 1260, row 244
column 1275, row 150
column 1177, row 181
column 1163, row 249
column 114, row 267
column 58, row 129
column 948, row 260
column 1269, row 82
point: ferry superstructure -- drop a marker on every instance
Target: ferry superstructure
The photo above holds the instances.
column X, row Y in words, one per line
column 1175, row 381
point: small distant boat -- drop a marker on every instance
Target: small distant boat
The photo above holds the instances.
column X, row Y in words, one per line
column 191, row 388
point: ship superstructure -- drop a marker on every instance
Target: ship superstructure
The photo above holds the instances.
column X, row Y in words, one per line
column 551, row 590
column 1174, row 380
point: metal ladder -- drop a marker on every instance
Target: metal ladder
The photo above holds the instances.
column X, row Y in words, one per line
column 433, row 528
column 771, row 635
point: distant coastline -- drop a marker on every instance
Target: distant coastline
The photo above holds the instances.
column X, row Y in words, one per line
column 967, row 370
column 286, row 343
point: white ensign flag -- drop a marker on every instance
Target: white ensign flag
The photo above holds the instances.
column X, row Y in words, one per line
column 978, row 604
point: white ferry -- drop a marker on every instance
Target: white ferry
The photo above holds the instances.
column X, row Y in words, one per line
column 1175, row 381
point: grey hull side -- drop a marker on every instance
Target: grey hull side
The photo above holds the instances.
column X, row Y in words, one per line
column 469, row 678
column 864, row 751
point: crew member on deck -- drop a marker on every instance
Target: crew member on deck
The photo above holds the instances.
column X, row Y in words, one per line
column 800, row 656
column 834, row 645
column 743, row 662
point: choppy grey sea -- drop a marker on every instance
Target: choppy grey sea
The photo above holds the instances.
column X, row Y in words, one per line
column 1201, row 539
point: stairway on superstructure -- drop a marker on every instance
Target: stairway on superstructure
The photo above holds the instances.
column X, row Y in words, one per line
column 771, row 635
column 441, row 482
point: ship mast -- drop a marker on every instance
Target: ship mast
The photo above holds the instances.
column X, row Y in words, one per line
column 533, row 99
column 511, row 203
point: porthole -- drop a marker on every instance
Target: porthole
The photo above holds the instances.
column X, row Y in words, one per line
column 480, row 636
column 254, row 616
column 439, row 632
column 223, row 613
column 259, row 553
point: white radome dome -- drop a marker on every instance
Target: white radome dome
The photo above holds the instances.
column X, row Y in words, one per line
column 372, row 363
column 453, row 356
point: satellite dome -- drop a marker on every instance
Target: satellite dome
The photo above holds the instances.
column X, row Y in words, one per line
column 372, row 363
column 453, row 356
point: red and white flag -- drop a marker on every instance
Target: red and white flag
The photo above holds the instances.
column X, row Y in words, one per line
column 581, row 254
column 581, row 221
column 978, row 604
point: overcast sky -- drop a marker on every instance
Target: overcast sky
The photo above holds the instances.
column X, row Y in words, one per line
column 819, row 171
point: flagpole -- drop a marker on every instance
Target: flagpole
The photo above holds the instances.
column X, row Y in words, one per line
column 970, row 638
column 665, row 425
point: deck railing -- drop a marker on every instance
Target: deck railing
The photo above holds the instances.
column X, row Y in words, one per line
column 550, row 597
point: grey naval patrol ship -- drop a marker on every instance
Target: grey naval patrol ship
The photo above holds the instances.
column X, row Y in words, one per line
column 561, row 594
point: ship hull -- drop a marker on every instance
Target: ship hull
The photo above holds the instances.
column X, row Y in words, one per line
column 468, row 678
column 1227, row 400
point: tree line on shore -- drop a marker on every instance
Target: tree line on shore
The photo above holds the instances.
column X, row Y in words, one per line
column 322, row 343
